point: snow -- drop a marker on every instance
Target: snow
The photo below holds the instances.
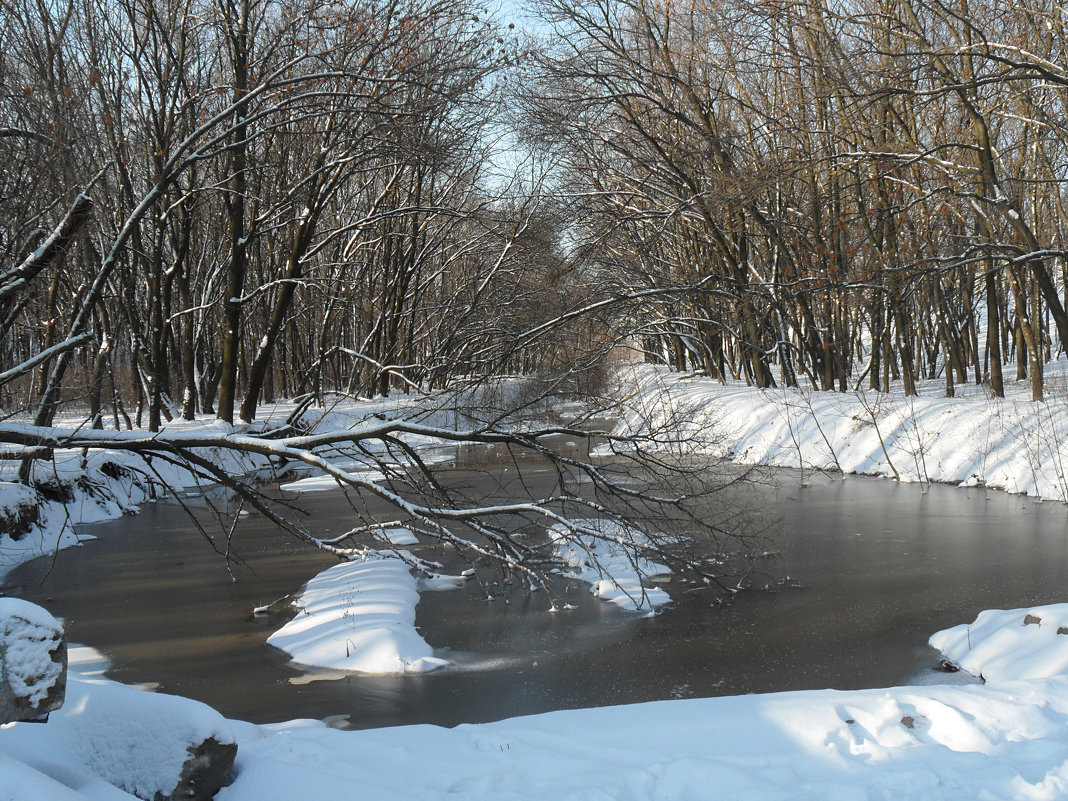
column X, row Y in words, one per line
column 944, row 743
column 15, row 611
column 1004, row 739
column 325, row 483
column 396, row 536
column 614, row 573
column 1010, row 644
column 108, row 741
column 359, row 616
column 28, row 637
column 1013, row 444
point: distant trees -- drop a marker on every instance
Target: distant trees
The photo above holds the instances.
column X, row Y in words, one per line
column 870, row 189
column 210, row 204
column 206, row 204
column 246, row 199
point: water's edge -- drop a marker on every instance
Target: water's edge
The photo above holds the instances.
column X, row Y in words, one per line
column 878, row 567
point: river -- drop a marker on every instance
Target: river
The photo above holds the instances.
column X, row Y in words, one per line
column 874, row 568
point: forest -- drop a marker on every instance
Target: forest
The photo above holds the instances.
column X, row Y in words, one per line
column 209, row 204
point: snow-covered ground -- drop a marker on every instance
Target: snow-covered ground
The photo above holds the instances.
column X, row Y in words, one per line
column 973, row 439
column 1007, row 739
column 107, row 742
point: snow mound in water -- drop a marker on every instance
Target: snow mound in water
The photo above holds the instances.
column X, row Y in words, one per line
column 359, row 616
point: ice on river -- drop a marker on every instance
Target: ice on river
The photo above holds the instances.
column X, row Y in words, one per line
column 327, row 482
column 360, row 615
column 608, row 558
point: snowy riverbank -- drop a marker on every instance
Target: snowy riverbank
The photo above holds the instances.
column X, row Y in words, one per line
column 1007, row 739
column 1011, row 443
column 79, row 487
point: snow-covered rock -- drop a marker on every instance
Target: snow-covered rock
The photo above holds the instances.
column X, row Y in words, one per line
column 1010, row 644
column 33, row 662
column 109, row 738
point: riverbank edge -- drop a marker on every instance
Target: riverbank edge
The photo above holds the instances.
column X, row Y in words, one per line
column 971, row 440
column 943, row 742
column 75, row 489
column 1011, row 444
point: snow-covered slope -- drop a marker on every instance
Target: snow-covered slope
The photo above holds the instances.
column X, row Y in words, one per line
column 972, row 439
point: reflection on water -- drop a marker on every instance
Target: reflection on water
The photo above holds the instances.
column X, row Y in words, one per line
column 878, row 568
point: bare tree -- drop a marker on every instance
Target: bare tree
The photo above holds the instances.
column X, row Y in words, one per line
column 266, row 198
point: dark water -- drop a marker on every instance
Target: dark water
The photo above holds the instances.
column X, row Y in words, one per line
column 878, row 567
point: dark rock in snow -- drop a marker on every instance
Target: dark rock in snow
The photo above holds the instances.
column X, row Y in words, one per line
column 948, row 666
column 208, row 769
